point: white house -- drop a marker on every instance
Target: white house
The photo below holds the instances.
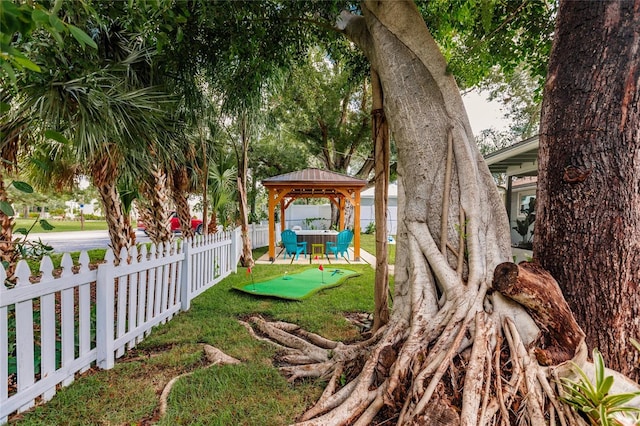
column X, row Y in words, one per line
column 367, row 208
column 519, row 162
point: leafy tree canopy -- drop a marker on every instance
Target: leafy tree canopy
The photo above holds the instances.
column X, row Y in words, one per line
column 482, row 37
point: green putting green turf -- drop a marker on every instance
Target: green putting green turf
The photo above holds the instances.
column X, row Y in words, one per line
column 299, row 286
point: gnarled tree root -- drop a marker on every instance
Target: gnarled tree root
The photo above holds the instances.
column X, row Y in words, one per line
column 471, row 366
column 214, row 356
column 383, row 378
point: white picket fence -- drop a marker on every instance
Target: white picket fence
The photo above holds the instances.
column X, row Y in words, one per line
column 63, row 325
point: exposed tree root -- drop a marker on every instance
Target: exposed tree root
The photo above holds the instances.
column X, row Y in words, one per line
column 214, row 357
column 389, row 378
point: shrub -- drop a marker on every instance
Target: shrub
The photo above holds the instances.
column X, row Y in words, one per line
column 371, row 228
column 92, row 217
column 595, row 402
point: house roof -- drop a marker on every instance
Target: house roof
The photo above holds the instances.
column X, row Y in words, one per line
column 314, row 176
column 370, row 193
column 314, row 182
column 519, row 159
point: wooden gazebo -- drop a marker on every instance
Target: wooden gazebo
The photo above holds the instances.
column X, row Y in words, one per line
column 314, row 183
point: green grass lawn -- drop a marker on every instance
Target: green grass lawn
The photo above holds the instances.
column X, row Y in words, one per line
column 250, row 393
column 95, row 256
column 62, row 225
column 368, row 243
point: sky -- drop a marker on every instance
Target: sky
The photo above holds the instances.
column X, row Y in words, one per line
column 482, row 113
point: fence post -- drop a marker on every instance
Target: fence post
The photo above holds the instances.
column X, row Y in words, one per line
column 185, row 276
column 234, row 249
column 105, row 285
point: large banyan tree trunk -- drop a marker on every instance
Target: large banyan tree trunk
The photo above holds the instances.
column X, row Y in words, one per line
column 460, row 348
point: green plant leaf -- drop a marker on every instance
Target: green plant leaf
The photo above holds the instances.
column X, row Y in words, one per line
column 9, row 70
column 616, row 401
column 598, row 363
column 56, row 23
column 56, row 136
column 46, row 225
column 41, row 164
column 56, row 35
column 604, row 387
column 6, row 208
column 23, row 186
column 40, row 17
column 635, row 343
column 585, row 384
column 22, row 231
column 4, row 107
column 24, row 62
column 82, row 37
column 602, row 414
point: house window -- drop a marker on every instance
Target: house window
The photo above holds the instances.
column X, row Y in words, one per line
column 524, row 203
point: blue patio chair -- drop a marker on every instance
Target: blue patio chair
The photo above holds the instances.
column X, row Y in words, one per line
column 291, row 245
column 343, row 240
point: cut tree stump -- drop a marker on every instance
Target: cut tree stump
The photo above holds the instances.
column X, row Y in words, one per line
column 538, row 292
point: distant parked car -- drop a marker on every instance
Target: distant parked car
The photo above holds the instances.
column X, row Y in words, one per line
column 196, row 224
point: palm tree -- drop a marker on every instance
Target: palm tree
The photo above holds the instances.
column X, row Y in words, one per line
column 221, row 188
column 182, row 178
column 110, row 113
column 11, row 145
column 153, row 205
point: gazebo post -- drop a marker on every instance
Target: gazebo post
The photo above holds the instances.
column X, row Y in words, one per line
column 341, row 220
column 356, row 227
column 272, row 224
column 283, row 208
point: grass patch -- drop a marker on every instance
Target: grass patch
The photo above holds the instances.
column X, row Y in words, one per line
column 250, row 393
column 62, row 225
column 368, row 244
column 95, row 256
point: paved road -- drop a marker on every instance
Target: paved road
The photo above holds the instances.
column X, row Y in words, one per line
column 64, row 242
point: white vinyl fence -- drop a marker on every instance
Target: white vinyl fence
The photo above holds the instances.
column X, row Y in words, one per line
column 63, row 325
column 259, row 235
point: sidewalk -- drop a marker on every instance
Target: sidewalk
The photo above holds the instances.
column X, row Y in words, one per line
column 67, row 235
column 521, row 254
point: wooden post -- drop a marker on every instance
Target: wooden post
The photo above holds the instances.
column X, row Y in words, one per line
column 508, row 196
column 380, row 130
column 272, row 225
column 356, row 226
